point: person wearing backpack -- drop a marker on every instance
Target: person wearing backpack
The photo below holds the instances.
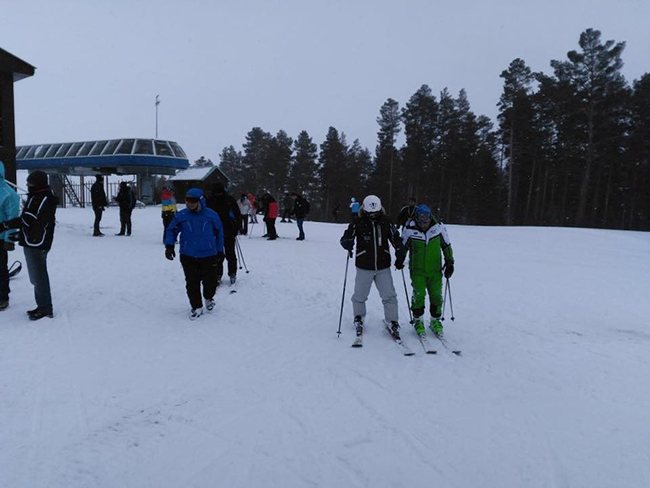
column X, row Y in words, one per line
column 300, row 211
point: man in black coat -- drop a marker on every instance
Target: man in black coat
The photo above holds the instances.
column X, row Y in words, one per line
column 36, row 225
column 99, row 203
column 226, row 206
column 300, row 211
column 406, row 213
column 126, row 200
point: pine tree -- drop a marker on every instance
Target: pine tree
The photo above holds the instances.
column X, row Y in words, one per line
column 231, row 164
column 332, row 161
column 303, row 175
column 387, row 159
column 278, row 163
column 256, row 151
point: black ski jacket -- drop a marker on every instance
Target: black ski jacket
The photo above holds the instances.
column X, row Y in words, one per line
column 405, row 214
column 226, row 206
column 98, row 195
column 372, row 238
column 37, row 221
column 300, row 207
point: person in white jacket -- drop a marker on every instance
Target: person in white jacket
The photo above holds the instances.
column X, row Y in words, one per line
column 246, row 209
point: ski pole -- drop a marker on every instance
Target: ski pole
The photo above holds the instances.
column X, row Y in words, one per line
column 239, row 260
column 451, row 305
column 444, row 301
column 241, row 254
column 408, row 300
column 250, row 232
column 345, row 282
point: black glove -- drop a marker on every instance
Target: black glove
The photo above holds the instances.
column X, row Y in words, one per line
column 15, row 237
column 449, row 269
column 170, row 253
column 399, row 264
column 347, row 243
column 9, row 246
column 220, row 257
column 3, row 227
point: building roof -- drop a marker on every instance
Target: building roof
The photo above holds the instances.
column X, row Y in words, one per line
column 14, row 65
column 194, row 174
column 117, row 155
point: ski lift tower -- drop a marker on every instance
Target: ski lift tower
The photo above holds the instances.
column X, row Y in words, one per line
column 12, row 69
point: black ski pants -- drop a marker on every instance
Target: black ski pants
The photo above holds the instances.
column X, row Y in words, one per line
column 125, row 221
column 199, row 271
column 231, row 256
column 98, row 218
column 270, row 228
column 167, row 218
column 244, row 225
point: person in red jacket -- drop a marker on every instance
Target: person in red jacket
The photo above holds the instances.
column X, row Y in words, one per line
column 251, row 198
column 270, row 214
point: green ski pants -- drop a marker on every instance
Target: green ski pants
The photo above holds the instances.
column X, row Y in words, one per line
column 421, row 284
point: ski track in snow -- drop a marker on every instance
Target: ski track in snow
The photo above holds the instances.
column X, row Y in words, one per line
column 121, row 389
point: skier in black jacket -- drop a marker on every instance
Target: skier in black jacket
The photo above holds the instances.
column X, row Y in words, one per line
column 406, row 213
column 126, row 200
column 300, row 211
column 36, row 225
column 226, row 206
column 373, row 231
column 99, row 202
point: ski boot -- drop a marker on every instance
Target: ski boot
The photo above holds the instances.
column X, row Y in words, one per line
column 38, row 314
column 209, row 304
column 358, row 323
column 418, row 323
column 436, row 327
column 4, row 304
column 195, row 313
column 394, row 329
column 233, row 279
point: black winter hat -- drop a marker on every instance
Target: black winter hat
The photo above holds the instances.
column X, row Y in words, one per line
column 37, row 179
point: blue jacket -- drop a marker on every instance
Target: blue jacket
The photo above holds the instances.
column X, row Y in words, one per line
column 9, row 203
column 201, row 232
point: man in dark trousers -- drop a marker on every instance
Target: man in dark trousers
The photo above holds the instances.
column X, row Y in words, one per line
column 99, row 203
column 126, row 200
column 36, row 225
column 226, row 206
column 287, row 204
column 201, row 248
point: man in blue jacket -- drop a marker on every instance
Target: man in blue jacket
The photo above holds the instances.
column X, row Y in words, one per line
column 201, row 248
column 9, row 209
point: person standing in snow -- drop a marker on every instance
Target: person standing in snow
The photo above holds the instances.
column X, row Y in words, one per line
column 251, row 198
column 168, row 206
column 287, row 204
column 36, row 225
column 270, row 207
column 354, row 209
column 244, row 210
column 201, row 248
column 126, row 200
column 428, row 243
column 9, row 210
column 300, row 211
column 99, row 202
column 406, row 213
column 226, row 206
column 373, row 231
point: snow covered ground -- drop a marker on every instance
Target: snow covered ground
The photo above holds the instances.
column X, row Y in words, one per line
column 120, row 389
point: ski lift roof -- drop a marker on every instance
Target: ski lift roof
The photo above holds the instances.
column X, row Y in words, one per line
column 122, row 156
column 197, row 174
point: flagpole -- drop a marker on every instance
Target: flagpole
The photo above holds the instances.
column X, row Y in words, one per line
column 157, row 103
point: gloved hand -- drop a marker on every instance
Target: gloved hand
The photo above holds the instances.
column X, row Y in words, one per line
column 9, row 246
column 3, row 227
column 347, row 243
column 449, row 269
column 170, row 253
column 399, row 264
column 15, row 237
column 220, row 257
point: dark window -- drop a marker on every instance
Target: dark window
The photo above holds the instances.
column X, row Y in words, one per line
column 98, row 147
column 75, row 149
column 178, row 150
column 21, row 152
column 110, row 147
column 63, row 150
column 31, row 151
column 162, row 149
column 143, row 146
column 126, row 147
column 51, row 151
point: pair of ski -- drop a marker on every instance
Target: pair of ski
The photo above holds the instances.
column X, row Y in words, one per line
column 424, row 341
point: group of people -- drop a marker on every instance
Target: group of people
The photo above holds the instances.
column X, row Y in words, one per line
column 125, row 199
column 207, row 230
column 33, row 229
column 431, row 257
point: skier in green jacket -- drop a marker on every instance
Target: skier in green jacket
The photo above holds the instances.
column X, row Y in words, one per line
column 428, row 242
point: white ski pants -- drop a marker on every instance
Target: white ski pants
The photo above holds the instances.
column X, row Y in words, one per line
column 383, row 280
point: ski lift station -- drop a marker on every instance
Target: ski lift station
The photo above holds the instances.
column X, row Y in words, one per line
column 143, row 158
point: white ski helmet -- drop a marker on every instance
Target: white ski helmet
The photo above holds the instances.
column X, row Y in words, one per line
column 371, row 204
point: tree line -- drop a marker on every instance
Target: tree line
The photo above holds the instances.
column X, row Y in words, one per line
column 571, row 147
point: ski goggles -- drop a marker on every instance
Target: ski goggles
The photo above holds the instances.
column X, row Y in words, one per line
column 423, row 218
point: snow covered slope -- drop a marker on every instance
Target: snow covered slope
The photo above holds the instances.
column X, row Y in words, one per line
column 120, row 389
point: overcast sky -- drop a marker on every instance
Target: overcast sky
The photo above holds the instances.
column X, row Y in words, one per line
column 222, row 67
